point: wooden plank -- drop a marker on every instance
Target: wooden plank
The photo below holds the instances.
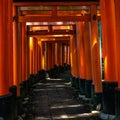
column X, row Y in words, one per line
column 54, row 3
column 53, row 19
column 52, row 38
column 70, row 32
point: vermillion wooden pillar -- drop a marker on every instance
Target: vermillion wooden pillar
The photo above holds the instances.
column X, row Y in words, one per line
column 4, row 50
column 31, row 47
column 110, row 64
column 47, row 56
column 117, row 101
column 43, row 55
column 73, row 55
column 49, row 53
column 117, row 4
column 63, row 54
column 35, row 56
column 60, row 44
column 87, row 49
column 27, row 58
column 17, row 56
column 53, row 54
column 24, row 52
column 109, row 39
column 87, row 53
column 81, row 51
column 103, row 23
column 7, row 102
column 81, row 57
column 39, row 55
column 10, row 37
column 68, row 54
column 58, row 53
column 95, row 52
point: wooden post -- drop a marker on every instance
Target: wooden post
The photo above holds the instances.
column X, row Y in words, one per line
column 73, row 55
column 42, row 55
column 10, row 37
column 64, row 53
column 68, row 47
column 24, row 52
column 95, row 52
column 109, row 39
column 117, row 92
column 117, row 4
column 35, row 56
column 81, row 51
column 87, row 54
column 67, row 53
column 86, row 34
column 53, row 54
column 7, row 100
column 110, row 53
column 27, row 58
column 16, row 52
column 39, row 55
column 31, row 54
column 4, row 50
column 58, row 53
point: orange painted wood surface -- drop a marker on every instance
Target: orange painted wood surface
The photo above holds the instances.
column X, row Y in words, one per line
column 86, row 34
column 117, row 9
column 81, row 50
column 35, row 59
column 95, row 52
column 10, row 37
column 4, row 49
column 24, row 54
column 73, row 56
column 109, row 39
column 17, row 54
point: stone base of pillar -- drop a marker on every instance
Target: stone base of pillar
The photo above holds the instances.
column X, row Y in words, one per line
column 19, row 105
column 96, row 99
column 109, row 97
column 117, row 103
column 104, row 116
column 13, row 91
column 82, row 86
column 7, row 107
column 23, row 88
column 88, row 88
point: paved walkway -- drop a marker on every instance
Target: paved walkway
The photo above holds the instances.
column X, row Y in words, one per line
column 54, row 100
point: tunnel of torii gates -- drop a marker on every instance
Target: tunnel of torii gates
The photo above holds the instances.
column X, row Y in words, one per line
column 81, row 42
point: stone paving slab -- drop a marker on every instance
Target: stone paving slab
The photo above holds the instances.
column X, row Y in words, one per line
column 54, row 100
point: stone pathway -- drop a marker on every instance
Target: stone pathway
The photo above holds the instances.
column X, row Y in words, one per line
column 53, row 100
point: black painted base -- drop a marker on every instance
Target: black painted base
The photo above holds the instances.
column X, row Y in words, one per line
column 13, row 91
column 117, row 103
column 82, row 86
column 104, row 116
column 7, row 107
column 88, row 88
column 109, row 97
column 96, row 98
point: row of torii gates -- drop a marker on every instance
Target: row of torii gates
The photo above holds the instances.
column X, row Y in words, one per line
column 22, row 55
